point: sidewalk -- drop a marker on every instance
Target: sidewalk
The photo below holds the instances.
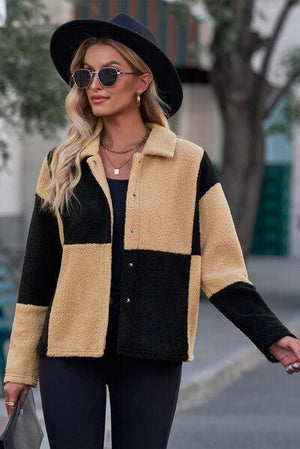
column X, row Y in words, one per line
column 222, row 352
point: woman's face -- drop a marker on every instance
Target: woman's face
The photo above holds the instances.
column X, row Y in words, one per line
column 122, row 95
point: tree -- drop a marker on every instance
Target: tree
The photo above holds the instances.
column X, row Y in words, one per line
column 31, row 93
column 246, row 99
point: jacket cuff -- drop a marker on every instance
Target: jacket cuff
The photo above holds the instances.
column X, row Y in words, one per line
column 244, row 307
column 32, row 381
column 22, row 364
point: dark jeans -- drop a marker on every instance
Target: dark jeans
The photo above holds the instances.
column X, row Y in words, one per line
column 143, row 397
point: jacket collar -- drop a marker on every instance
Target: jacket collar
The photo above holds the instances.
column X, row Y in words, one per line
column 161, row 142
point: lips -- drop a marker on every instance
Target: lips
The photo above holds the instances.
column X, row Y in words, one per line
column 96, row 99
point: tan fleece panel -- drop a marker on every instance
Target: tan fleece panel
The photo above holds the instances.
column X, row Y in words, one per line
column 161, row 201
column 193, row 303
column 43, row 179
column 222, row 258
column 161, row 193
column 60, row 228
column 22, row 365
column 161, row 142
column 80, row 308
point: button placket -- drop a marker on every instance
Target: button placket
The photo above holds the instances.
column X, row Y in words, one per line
column 136, row 170
column 99, row 174
column 134, row 214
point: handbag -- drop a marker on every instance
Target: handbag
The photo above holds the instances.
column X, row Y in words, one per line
column 23, row 432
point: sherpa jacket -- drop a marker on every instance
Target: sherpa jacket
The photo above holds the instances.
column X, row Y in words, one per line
column 179, row 238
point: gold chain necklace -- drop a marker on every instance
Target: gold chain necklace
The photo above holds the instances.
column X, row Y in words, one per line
column 134, row 147
column 131, row 148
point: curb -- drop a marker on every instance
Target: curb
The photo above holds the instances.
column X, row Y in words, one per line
column 210, row 382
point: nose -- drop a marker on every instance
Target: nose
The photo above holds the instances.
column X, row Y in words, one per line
column 95, row 83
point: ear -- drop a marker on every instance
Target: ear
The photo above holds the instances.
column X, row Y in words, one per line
column 144, row 81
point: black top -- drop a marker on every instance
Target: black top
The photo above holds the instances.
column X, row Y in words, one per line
column 118, row 190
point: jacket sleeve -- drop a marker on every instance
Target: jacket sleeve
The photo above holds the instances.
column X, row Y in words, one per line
column 224, row 277
column 39, row 275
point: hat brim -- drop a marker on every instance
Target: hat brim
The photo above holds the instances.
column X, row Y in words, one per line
column 67, row 38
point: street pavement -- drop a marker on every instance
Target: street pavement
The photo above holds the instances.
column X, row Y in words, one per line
column 224, row 356
column 257, row 411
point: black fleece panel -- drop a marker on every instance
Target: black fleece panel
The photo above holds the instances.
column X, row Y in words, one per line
column 42, row 259
column 244, row 307
column 207, row 177
column 90, row 222
column 42, row 345
column 196, row 248
column 49, row 160
column 153, row 323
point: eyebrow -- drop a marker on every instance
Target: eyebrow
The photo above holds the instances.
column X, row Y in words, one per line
column 105, row 65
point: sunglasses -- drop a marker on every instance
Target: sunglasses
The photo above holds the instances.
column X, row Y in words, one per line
column 107, row 76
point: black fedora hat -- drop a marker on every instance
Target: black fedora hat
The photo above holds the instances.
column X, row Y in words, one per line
column 123, row 28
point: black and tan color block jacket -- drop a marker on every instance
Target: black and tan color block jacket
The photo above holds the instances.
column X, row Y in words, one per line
column 179, row 238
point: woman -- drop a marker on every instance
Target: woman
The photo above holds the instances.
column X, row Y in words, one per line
column 108, row 297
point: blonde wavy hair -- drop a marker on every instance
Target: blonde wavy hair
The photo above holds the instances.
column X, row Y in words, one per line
column 65, row 166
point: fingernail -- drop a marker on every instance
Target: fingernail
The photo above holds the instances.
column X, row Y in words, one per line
column 295, row 365
column 21, row 412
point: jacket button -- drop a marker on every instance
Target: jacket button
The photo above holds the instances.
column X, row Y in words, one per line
column 128, row 300
column 130, row 264
column 131, row 230
column 134, row 194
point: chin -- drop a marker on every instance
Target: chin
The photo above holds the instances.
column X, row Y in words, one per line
column 96, row 110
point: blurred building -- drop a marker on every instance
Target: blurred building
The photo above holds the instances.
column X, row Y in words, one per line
column 278, row 223
column 186, row 43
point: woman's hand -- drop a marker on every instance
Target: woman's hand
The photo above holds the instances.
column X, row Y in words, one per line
column 287, row 351
column 12, row 391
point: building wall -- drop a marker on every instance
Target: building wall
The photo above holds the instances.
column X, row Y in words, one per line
column 12, row 180
column 288, row 39
column 175, row 37
column 199, row 119
column 295, row 192
column 18, row 181
column 59, row 10
column 193, row 121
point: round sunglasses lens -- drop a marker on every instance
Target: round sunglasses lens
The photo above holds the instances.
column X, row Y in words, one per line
column 82, row 78
column 108, row 76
